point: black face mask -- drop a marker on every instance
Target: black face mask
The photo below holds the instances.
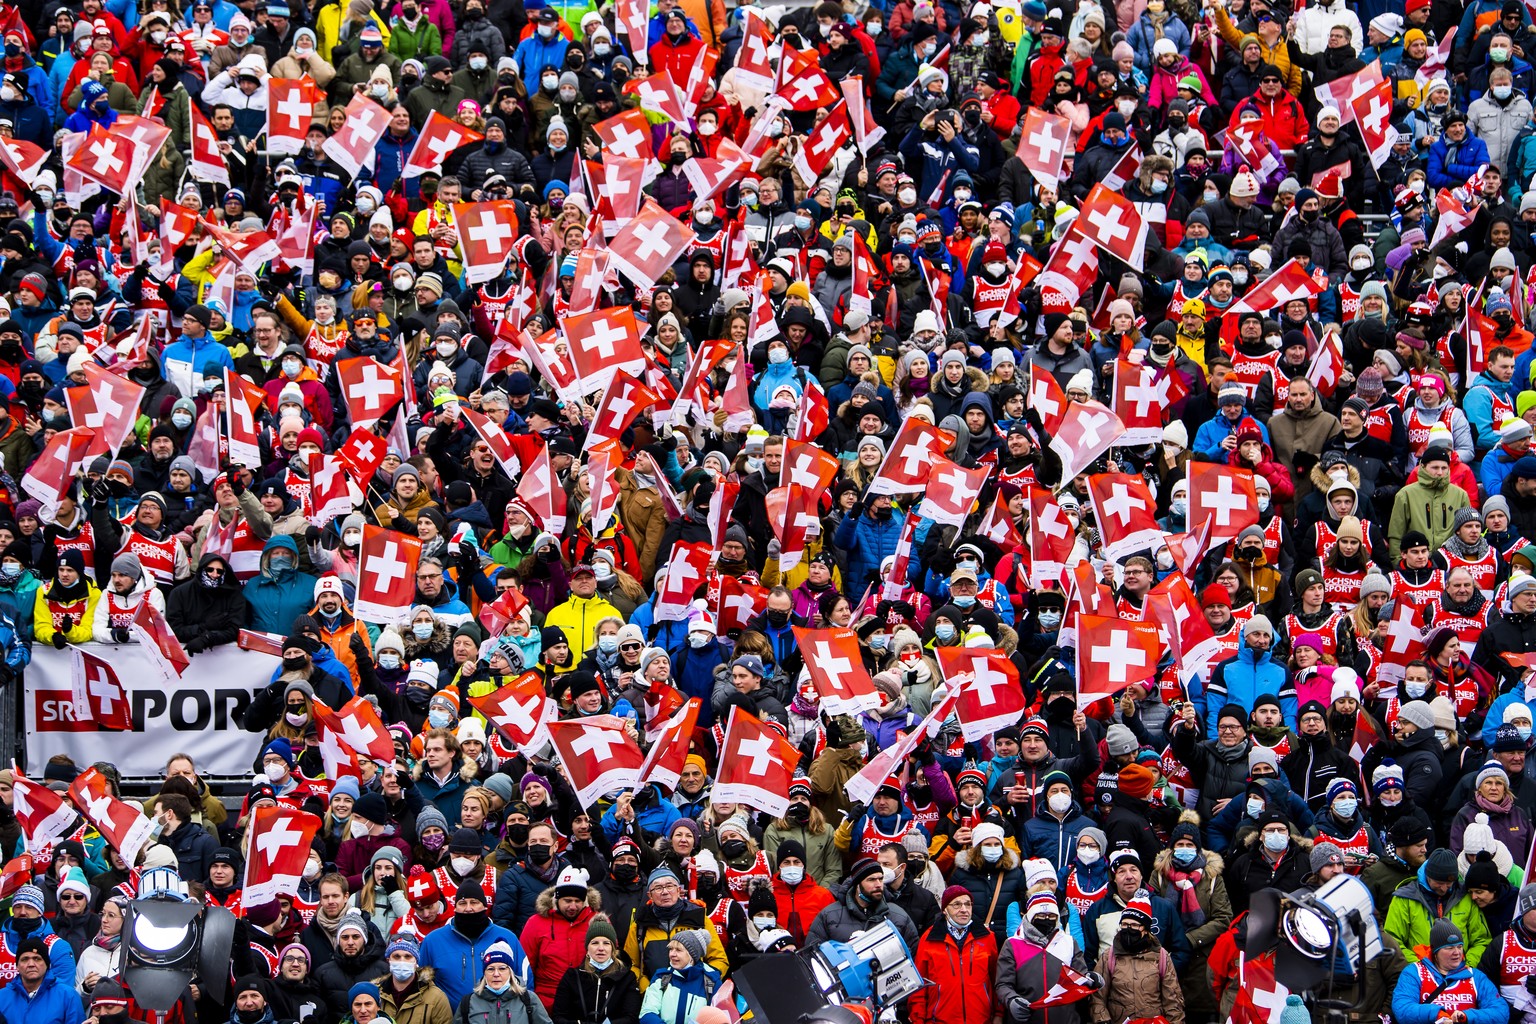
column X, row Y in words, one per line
column 250, row 1016
column 471, row 925
column 919, row 793
column 295, row 664
column 26, row 925
column 518, row 833
column 1133, row 940
column 733, row 848
column 626, row 872
column 677, row 159
column 798, row 813
column 540, row 853
column 778, row 618
column 417, row 699
column 1249, row 554
column 882, row 514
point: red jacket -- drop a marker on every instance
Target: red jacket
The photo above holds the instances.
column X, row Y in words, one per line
column 1284, row 120
column 554, row 944
column 676, row 59
column 799, row 905
column 1005, row 112
column 962, row 991
column 1042, row 71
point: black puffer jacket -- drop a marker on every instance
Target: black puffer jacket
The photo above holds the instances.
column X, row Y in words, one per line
column 204, row 617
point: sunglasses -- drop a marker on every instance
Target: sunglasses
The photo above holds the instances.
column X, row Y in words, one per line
column 1267, row 81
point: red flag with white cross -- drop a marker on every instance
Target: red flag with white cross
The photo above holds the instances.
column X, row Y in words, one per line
column 952, row 491
column 486, row 232
column 738, row 602
column 42, row 813
column 1113, row 653
column 440, row 137
column 1125, row 513
column 122, row 824
column 330, row 488
column 352, row 146
column 1044, row 141
column 50, row 474
column 910, row 459
column 822, row 144
column 1138, row 402
column 290, row 111
column 362, row 453
column 278, row 853
column 756, row 764
column 1087, row 431
column 386, row 578
column 597, row 755
column 836, row 668
column 1113, row 223
column 601, row 344
column 623, row 400
column 649, row 244
column 519, row 710
column 1051, row 537
column 671, row 744
column 988, row 684
column 370, row 387
column 627, row 135
column 1227, row 495
column 98, row 693
column 108, row 405
column 207, row 164
column 1289, row 281
column 686, row 566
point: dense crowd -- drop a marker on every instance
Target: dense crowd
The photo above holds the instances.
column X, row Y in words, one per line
column 960, row 236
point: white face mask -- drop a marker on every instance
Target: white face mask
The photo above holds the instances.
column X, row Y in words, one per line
column 997, row 269
column 888, row 875
column 765, row 921
column 311, row 870
column 549, row 81
column 274, row 772
column 447, row 349
column 992, row 854
column 908, row 196
column 708, row 129
column 1059, row 802
column 1088, row 854
column 793, row 874
column 358, row 828
column 1361, row 265
column 463, row 865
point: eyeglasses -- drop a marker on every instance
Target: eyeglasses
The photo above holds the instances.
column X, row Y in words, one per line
column 295, row 960
column 426, row 577
column 631, row 647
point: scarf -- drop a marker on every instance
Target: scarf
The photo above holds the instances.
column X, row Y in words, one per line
column 1181, row 890
column 1464, row 550
column 329, row 925
column 1502, row 807
column 107, row 942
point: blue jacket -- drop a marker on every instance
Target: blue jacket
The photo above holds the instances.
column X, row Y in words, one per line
column 1222, row 831
column 1245, row 677
column 656, row 819
column 1407, row 1007
column 517, row 892
column 1216, row 430
column 16, row 600
column 693, row 672
column 676, row 996
column 1451, row 170
column 1054, row 840
column 61, row 967
column 458, row 962
column 389, row 157
column 1478, row 405
column 52, row 1003
column 936, row 157
column 1166, row 926
column 272, row 603
column 536, row 53
column 1143, row 35
column 199, row 354
column 867, row 543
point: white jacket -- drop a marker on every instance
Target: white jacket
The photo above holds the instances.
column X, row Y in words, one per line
column 101, row 625
column 1314, row 23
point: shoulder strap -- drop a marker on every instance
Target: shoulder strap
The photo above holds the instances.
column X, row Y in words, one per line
column 997, row 891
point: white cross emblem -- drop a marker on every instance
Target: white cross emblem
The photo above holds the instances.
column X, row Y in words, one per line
column 106, row 158
column 986, row 680
column 373, row 386
column 654, row 241
column 741, row 604
column 294, row 109
column 99, row 807
column 800, row 473
column 440, row 146
column 619, row 406
column 1120, row 503
column 107, row 407
column 365, row 451
column 1079, row 253
column 206, row 137
column 804, row 89
column 1401, row 632
column 1050, row 521
column 1376, row 118
column 759, row 750
column 520, row 715
column 913, row 457
column 241, row 420
column 830, row 664
column 952, row 480
column 1119, row 655
column 682, row 571
column 280, row 835
column 625, row 142
column 1040, row 399
column 605, row 335
column 491, row 231
column 829, row 139
column 419, row 887
column 1093, row 425
column 1143, row 396
column 594, row 737
column 614, row 185
column 363, row 128
column 392, row 568
column 1223, row 501
column 1108, row 224
column 1044, row 143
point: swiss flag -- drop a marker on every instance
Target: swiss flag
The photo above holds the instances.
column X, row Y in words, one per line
column 330, row 489
column 160, row 642
column 626, row 135
column 208, row 164
column 918, row 447
column 1365, row 737
column 42, row 813
column 541, row 490
column 619, row 182
column 352, row 147
column 802, row 83
column 497, row 615
column 822, row 144
column 339, row 758
column 1069, row 271
column 738, row 603
column 1087, row 431
column 363, row 729
column 813, row 413
column 1125, row 168
column 649, row 244
column 753, row 67
column 1404, row 643
column 1481, row 334
column 16, row 873
column 1125, row 513
column 597, row 755
column 1046, row 398
column 708, row 175
column 290, row 110
column 1372, row 114
column 1226, row 495
column 792, row 512
column 603, row 343
column 896, row 579
column 658, row 94
column 670, row 745
column 756, row 764
column 721, row 501
column 808, row 465
column 519, row 710
column 439, row 136
column 687, row 564
column 22, row 159
column 630, row 18
column 249, row 249
column 386, row 579
column 591, row 272
column 695, row 393
column 998, row 526
column 1173, row 605
column 602, row 460
column 106, row 159
column 177, row 224
column 866, row 131
column 370, row 387
column 988, row 684
column 952, row 491
column 1070, row 987
column 1341, row 92
column 1113, row 653
column 362, row 453
column 108, row 405
column 623, row 400
column 277, row 853
column 1289, row 281
column 1051, row 537
column 1188, row 549
column 242, row 399
column 120, row 823
column 1327, row 365
column 515, row 452
column 486, row 232
column 1252, row 147
column 98, row 692
column 836, row 667
column 1260, row 997
column 50, row 474
column 147, row 137
column 1113, row 223
column 1138, row 402
column 1044, row 141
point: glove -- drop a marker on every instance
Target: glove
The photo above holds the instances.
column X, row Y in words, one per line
column 856, row 810
column 359, row 649
column 100, row 492
column 312, row 535
column 58, row 640
column 1094, row 980
column 7, row 674
column 469, row 558
column 120, row 635
column 1018, row 1009
column 195, row 646
column 236, row 481
column 390, row 884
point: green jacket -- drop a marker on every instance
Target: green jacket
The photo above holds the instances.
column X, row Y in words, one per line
column 422, row 42
column 430, row 96
column 1410, row 916
column 1428, row 506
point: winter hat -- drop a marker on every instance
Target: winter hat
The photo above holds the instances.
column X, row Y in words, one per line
column 955, row 892
column 1418, row 713
column 1136, row 781
column 1324, row 854
column 695, row 941
column 1443, row 932
column 1121, row 741
column 1139, row 909
column 1441, row 865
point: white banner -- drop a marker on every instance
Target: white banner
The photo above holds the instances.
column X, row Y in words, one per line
column 201, row 715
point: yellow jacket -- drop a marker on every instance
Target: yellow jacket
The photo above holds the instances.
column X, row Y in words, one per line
column 328, row 28
column 577, row 618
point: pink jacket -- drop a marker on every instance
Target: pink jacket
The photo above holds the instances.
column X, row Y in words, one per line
column 1165, row 84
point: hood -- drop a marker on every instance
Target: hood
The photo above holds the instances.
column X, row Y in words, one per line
column 279, row 541
column 546, row 901
column 1321, row 481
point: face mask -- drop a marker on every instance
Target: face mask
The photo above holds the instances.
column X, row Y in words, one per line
column 358, row 828
column 422, row 630
column 704, row 216
column 1126, row 107
column 963, row 600
column 1499, row 55
column 295, row 664
column 1264, row 503
column 1211, row 195
column 1179, row 507
column 295, row 720
column 944, row 631
column 908, row 196
column 547, row 31
column 1239, row 276
column 540, row 853
column 1524, row 731
column 754, row 465
column 991, row 854
column 1274, row 842
column 274, row 772
column 765, row 921
column 402, row 971
column 447, row 349
column 402, row 284
column 549, row 82
column 996, row 269
column 698, row 640
column 567, row 95
column 434, row 843
column 1416, row 688
column 778, row 356
column 1361, row 265
column 478, row 63
column 291, row 368
column 463, row 865
column 181, row 420
column 1087, row 854
column 1050, row 621
column 1184, row 854
column 1059, row 802
column 1501, row 92
column 803, row 223
column 793, row 874
column 311, row 870
column 438, row 718
column 601, row 49
column 1255, row 807
column 1159, row 186
column 733, row 848
column 1345, row 806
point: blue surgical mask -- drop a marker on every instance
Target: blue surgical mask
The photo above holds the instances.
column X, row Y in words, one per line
column 389, row 660
column 1345, row 806
column 439, row 718
column 1159, row 186
column 1416, row 687
column 991, row 854
column 1050, row 621
column 10, row 571
column 880, row 641
column 1523, row 730
column 963, row 600
column 608, row 644
column 803, row 223
column 944, row 631
column 1184, row 854
column 181, row 420
column 1255, row 807
column 421, row 630
column 1179, row 507
column 1274, row 842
